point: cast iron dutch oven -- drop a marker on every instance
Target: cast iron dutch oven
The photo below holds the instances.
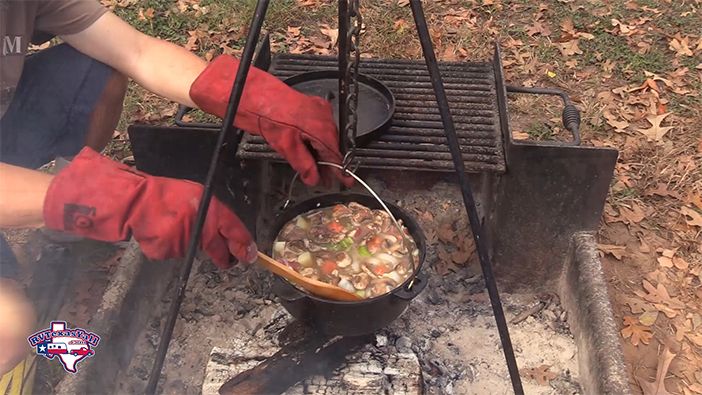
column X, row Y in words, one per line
column 350, row 318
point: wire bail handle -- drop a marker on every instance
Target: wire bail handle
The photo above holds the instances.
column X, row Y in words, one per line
column 405, row 240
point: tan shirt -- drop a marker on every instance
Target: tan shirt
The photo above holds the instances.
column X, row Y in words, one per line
column 24, row 21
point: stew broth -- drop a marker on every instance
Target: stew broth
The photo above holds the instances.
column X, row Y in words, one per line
column 348, row 245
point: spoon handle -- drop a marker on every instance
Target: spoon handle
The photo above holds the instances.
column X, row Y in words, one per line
column 314, row 286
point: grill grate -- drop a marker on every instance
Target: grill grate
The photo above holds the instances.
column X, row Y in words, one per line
column 415, row 140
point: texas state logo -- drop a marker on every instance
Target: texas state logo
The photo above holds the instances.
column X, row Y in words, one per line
column 68, row 346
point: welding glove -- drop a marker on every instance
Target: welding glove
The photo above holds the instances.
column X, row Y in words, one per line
column 100, row 199
column 300, row 128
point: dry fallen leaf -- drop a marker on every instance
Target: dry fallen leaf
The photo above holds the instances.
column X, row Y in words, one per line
column 666, row 258
column 692, row 217
column 636, row 332
column 694, row 338
column 680, row 263
column 657, row 387
column 519, row 135
column 541, row 374
column 656, row 131
column 569, row 48
column 333, row 34
column 445, row 232
column 681, row 46
column 615, row 250
column 638, row 306
column 538, row 28
column 403, row 3
column 632, row 216
column 659, row 296
column 145, row 15
column 648, row 318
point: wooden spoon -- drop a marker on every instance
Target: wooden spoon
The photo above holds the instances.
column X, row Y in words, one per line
column 313, row 286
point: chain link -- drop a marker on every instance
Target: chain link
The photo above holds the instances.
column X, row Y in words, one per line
column 353, row 55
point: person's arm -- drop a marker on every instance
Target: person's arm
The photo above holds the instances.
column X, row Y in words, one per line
column 22, row 193
column 157, row 65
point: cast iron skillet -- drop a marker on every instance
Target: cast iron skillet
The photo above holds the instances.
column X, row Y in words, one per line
column 376, row 104
column 349, row 318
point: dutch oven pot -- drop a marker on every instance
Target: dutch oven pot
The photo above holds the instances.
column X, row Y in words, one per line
column 350, row 318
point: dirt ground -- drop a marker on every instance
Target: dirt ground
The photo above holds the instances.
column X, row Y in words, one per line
column 633, row 67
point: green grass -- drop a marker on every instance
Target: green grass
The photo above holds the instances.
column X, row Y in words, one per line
column 539, row 132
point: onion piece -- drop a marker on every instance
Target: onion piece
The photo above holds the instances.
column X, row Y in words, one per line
column 279, row 247
column 305, row 259
column 346, row 284
column 395, row 276
column 388, row 258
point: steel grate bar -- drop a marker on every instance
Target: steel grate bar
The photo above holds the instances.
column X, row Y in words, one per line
column 415, row 140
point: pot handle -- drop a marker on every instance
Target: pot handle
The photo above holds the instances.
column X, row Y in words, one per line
column 414, row 288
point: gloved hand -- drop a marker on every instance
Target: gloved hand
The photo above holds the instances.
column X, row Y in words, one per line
column 103, row 200
column 287, row 119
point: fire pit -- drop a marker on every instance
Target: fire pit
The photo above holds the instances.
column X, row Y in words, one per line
column 533, row 209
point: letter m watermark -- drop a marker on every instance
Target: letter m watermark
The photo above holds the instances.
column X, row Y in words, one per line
column 11, row 45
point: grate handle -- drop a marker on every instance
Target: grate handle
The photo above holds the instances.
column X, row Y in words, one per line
column 570, row 115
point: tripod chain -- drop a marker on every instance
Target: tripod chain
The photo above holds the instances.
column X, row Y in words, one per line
column 353, row 40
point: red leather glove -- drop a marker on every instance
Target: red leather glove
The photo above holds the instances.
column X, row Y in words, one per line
column 286, row 118
column 103, row 200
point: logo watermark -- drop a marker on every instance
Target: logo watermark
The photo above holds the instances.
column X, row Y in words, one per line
column 68, row 346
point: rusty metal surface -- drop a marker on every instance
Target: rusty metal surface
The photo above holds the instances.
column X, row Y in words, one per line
column 416, row 139
column 549, row 193
column 583, row 290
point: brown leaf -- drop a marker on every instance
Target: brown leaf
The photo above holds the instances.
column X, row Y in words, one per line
column 692, row 217
column 615, row 250
column 519, row 135
column 680, row 45
column 446, row 232
column 569, row 48
column 680, row 263
column 403, row 3
column 666, row 258
column 333, row 34
column 661, row 189
column 623, row 29
column 145, row 15
column 294, row 31
column 694, row 338
column 400, row 25
column 657, row 387
column 538, row 28
column 637, row 333
column 632, row 216
column 541, row 374
column 648, row 318
column 656, row 131
column 638, row 306
column 659, row 294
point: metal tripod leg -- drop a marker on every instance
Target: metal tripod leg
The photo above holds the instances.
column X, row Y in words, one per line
column 227, row 126
column 468, row 201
